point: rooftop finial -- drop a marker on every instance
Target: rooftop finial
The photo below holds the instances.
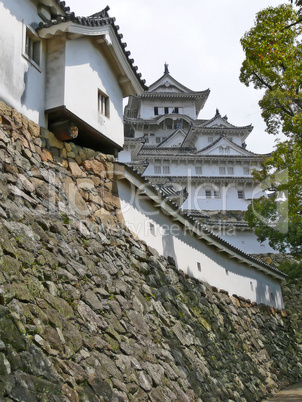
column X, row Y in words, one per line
column 166, row 68
column 217, row 112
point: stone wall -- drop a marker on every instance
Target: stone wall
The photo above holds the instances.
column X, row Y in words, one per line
column 89, row 313
column 292, row 289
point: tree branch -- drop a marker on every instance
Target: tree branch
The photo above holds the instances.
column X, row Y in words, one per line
column 262, row 81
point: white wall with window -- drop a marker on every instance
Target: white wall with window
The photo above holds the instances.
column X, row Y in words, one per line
column 22, row 59
column 151, row 109
column 214, row 196
column 192, row 255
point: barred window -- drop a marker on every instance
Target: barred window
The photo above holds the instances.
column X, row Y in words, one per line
column 32, row 49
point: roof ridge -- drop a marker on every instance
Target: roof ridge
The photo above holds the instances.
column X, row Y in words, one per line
column 98, row 19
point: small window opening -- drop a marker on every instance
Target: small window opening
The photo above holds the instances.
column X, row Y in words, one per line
column 199, row 266
column 230, row 170
column 152, row 228
column 252, row 286
column 32, row 47
column 240, row 194
column 103, row 104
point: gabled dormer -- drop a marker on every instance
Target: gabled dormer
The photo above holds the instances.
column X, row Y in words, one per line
column 204, row 133
column 174, row 140
column 166, row 83
column 224, row 147
column 218, row 122
column 167, row 96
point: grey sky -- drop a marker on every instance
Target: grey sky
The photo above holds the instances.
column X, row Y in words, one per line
column 200, row 40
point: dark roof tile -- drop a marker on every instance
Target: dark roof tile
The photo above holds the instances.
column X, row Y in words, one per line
column 98, row 19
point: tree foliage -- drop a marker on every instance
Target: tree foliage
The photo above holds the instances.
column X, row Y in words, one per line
column 273, row 63
column 278, row 217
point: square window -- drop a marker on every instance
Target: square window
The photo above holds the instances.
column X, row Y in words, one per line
column 155, row 110
column 210, row 139
column 216, row 194
column 246, row 171
column 166, row 110
column 32, row 49
column 157, row 169
column 240, row 194
column 169, row 126
column 158, row 140
column 166, row 169
column 198, row 169
column 221, row 170
column 208, row 194
column 103, row 104
column 230, row 171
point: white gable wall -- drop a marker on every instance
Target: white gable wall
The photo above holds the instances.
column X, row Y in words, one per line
column 170, row 239
column 15, row 70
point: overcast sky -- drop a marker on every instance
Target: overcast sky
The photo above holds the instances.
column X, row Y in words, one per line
column 200, row 40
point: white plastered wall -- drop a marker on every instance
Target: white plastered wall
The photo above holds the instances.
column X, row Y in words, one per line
column 170, row 239
column 245, row 240
column 88, row 71
column 16, row 72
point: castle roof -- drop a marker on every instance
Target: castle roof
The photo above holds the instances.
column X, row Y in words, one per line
column 223, row 139
column 91, row 26
column 168, row 87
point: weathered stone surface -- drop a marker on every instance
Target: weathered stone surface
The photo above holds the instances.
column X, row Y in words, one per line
column 88, row 313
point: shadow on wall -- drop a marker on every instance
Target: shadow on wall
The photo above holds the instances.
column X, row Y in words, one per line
column 168, row 247
column 86, row 55
column 173, row 241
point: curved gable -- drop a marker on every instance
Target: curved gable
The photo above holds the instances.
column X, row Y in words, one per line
column 168, row 84
column 224, row 146
column 174, row 140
